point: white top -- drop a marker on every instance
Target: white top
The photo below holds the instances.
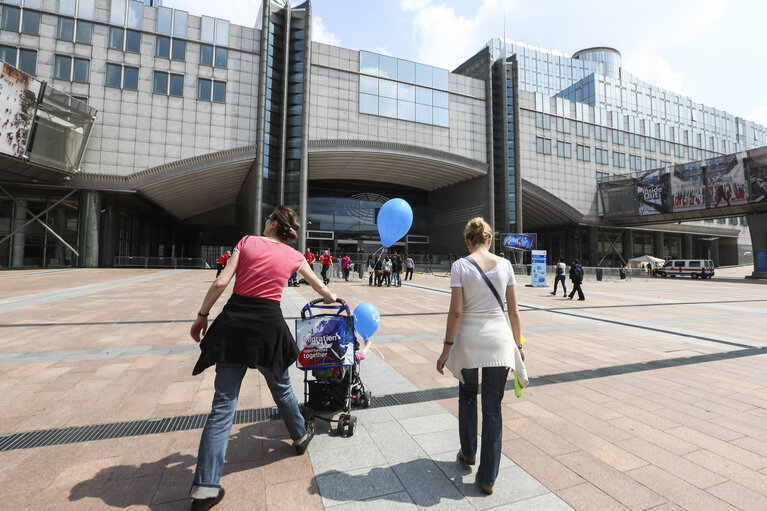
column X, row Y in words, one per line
column 387, row 266
column 477, row 297
column 562, row 267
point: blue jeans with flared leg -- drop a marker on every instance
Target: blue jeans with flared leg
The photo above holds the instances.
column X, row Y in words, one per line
column 493, row 383
column 215, row 436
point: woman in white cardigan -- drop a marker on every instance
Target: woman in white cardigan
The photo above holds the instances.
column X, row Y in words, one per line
column 478, row 335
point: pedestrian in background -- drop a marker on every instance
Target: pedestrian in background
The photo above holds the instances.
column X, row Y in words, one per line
column 326, row 259
column 387, row 267
column 576, row 276
column 560, row 276
column 221, row 263
column 345, row 262
column 409, row 267
column 397, row 270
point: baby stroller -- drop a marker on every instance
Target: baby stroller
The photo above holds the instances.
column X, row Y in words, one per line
column 327, row 345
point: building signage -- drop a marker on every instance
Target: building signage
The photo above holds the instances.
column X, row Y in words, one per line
column 653, row 192
column 726, row 179
column 518, row 241
column 538, row 271
column 18, row 101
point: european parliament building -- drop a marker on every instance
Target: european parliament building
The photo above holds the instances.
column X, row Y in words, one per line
column 149, row 132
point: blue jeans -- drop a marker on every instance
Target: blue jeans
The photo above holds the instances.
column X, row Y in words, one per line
column 557, row 279
column 398, row 278
column 215, row 436
column 493, row 383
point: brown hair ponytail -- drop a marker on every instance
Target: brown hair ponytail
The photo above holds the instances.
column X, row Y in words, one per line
column 287, row 223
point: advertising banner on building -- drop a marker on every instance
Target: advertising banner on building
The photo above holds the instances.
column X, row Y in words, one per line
column 726, row 180
column 688, row 187
column 18, row 100
column 757, row 174
column 518, row 241
column 538, row 271
column 325, row 341
column 653, row 192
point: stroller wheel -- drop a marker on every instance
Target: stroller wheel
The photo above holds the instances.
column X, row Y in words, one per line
column 352, row 425
column 343, row 420
column 368, row 397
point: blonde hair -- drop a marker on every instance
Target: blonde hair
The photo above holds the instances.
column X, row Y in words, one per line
column 477, row 231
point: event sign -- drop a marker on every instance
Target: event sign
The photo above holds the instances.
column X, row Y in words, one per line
column 518, row 241
column 18, row 101
column 325, row 341
column 538, row 271
column 757, row 174
column 687, row 187
column 653, row 192
column 726, row 179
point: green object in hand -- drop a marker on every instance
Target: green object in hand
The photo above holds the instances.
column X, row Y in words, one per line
column 517, row 386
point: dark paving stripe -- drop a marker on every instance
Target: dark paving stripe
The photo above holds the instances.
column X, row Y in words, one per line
column 77, row 434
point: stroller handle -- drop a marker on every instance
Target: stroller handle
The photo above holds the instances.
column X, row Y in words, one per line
column 316, row 303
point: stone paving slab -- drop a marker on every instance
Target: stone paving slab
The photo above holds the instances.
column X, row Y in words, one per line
column 676, row 436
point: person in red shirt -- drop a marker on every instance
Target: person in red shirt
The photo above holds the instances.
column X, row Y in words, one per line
column 326, row 259
column 221, row 263
column 250, row 331
column 346, row 262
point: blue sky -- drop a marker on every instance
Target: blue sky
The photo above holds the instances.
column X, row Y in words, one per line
column 710, row 50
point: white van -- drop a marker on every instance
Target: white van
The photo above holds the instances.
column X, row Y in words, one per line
column 703, row 268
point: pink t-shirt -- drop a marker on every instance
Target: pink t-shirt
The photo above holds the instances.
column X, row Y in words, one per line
column 264, row 267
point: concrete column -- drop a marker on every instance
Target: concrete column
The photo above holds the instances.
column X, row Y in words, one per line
column 757, row 225
column 19, row 239
column 687, row 246
column 91, row 213
column 657, row 245
column 593, row 241
column 628, row 244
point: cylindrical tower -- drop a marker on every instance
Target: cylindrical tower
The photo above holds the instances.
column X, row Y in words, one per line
column 610, row 58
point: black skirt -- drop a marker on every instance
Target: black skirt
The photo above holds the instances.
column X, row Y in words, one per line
column 250, row 331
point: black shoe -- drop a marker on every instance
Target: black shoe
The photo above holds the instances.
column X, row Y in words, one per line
column 466, row 460
column 205, row 504
column 487, row 490
column 304, row 443
column 581, row 299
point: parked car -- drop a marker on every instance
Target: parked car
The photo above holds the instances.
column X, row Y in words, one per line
column 703, row 268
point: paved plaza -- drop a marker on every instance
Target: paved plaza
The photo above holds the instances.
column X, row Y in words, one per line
column 651, row 394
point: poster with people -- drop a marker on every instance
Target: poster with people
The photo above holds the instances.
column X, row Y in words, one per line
column 688, row 187
column 18, row 100
column 726, row 180
column 325, row 341
column 653, row 192
column 518, row 241
column 757, row 174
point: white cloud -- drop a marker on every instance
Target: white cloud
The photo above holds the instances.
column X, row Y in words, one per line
column 444, row 38
column 655, row 71
column 383, row 50
column 321, row 34
column 759, row 115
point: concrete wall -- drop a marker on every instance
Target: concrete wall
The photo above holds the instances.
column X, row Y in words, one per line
column 449, row 210
column 135, row 130
column 334, row 109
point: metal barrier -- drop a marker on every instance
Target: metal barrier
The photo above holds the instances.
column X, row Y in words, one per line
column 159, row 262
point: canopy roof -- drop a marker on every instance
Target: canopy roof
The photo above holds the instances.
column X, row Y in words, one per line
column 640, row 261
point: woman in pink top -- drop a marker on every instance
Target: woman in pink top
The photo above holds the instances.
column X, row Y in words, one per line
column 250, row 331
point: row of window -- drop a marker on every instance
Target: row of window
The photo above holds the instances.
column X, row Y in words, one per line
column 602, row 133
column 601, row 156
column 24, row 59
column 26, row 21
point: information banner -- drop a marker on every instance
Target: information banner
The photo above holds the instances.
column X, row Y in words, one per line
column 518, row 241
column 325, row 341
column 726, row 178
column 757, row 174
column 538, row 272
column 18, row 101
column 687, row 187
column 653, row 192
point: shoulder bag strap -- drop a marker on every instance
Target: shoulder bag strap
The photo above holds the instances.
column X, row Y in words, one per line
column 487, row 281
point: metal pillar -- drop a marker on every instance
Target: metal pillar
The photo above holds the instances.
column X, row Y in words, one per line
column 628, row 244
column 757, row 225
column 658, row 250
column 91, row 214
column 687, row 251
column 593, row 242
column 19, row 238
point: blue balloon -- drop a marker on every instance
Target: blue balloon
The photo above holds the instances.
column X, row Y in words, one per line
column 394, row 221
column 366, row 319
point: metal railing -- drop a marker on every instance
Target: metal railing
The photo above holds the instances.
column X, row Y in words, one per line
column 159, row 262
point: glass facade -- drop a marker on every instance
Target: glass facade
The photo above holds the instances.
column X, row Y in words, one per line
column 401, row 89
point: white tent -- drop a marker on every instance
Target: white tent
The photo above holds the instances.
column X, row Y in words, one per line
column 639, row 262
